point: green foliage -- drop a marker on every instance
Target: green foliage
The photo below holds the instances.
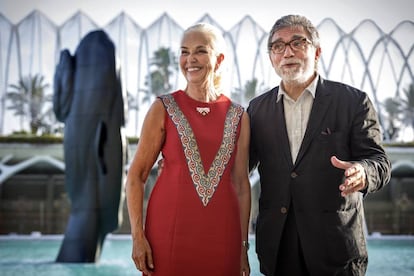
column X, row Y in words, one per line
column 164, row 65
column 407, row 105
column 399, row 112
column 28, row 100
column 25, row 137
column 391, row 106
column 22, row 137
column 248, row 92
column 250, row 89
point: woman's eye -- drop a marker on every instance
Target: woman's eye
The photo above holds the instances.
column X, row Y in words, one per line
column 197, row 52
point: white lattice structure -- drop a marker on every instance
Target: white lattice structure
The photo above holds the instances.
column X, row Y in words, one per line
column 382, row 64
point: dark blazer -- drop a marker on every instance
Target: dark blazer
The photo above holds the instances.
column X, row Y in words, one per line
column 343, row 123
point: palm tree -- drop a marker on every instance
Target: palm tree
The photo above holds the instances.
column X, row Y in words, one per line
column 407, row 105
column 28, row 100
column 245, row 94
column 250, row 89
column 392, row 108
column 166, row 65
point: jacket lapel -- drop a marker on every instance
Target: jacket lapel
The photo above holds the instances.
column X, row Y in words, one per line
column 281, row 132
column 318, row 112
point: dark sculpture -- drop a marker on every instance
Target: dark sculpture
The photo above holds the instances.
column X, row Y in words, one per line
column 88, row 98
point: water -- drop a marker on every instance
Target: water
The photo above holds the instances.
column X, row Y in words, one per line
column 27, row 256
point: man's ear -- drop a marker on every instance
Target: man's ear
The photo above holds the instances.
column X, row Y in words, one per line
column 318, row 53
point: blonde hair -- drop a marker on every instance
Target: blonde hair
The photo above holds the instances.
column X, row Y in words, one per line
column 217, row 44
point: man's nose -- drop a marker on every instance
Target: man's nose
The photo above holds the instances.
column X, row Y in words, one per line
column 288, row 51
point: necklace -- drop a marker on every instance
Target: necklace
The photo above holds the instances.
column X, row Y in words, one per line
column 203, row 110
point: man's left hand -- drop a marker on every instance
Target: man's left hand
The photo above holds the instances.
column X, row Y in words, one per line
column 355, row 178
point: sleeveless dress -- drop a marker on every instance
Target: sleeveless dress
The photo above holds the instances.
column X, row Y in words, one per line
column 193, row 217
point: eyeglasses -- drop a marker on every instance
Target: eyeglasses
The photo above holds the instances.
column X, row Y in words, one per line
column 297, row 44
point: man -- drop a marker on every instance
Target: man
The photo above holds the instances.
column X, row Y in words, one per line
column 316, row 144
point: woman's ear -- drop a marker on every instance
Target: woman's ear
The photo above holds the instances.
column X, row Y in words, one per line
column 220, row 58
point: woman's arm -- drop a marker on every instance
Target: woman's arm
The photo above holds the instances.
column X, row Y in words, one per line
column 240, row 176
column 148, row 149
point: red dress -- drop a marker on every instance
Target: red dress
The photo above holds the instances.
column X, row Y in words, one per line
column 193, row 218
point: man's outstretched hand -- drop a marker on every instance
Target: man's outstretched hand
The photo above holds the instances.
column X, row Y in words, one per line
column 355, row 178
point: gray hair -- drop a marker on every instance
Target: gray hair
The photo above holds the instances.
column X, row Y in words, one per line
column 289, row 21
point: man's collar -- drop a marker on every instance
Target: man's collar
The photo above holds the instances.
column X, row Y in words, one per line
column 311, row 88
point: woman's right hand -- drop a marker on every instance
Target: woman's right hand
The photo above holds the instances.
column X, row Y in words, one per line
column 142, row 255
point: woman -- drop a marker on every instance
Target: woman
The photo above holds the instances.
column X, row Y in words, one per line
column 198, row 213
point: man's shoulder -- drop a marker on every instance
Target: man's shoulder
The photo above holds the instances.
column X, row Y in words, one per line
column 343, row 93
column 265, row 97
column 337, row 86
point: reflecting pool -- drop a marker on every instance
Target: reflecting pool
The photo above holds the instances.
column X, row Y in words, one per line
column 34, row 255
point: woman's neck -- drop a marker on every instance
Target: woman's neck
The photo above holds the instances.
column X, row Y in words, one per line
column 202, row 94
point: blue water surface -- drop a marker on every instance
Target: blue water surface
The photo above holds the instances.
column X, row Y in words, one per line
column 388, row 256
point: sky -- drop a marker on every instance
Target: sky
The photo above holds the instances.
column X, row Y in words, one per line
column 347, row 13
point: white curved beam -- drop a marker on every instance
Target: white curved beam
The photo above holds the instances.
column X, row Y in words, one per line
column 403, row 163
column 6, row 171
